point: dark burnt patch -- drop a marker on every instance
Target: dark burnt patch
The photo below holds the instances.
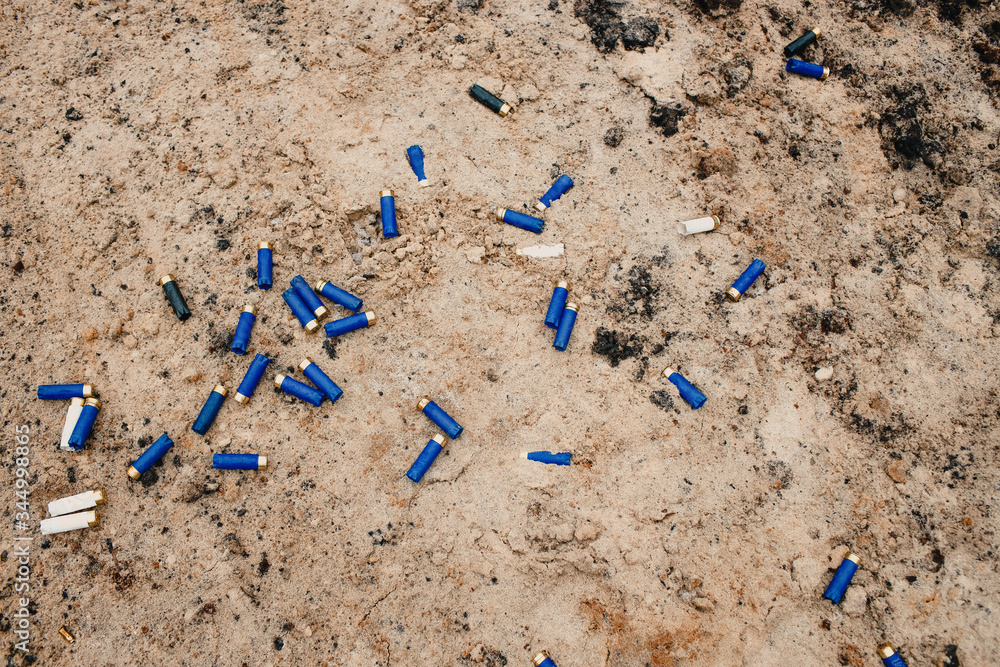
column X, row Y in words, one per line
column 953, row 11
column 904, row 140
column 616, row 346
column 604, row 19
column 640, row 32
column 643, row 291
column 900, row 8
column 718, row 7
column 662, row 399
column 666, row 117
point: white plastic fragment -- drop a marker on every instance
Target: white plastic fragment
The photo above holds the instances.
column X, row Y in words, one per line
column 542, row 251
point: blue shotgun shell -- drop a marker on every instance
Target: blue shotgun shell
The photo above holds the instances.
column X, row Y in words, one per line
column 441, row 418
column 521, row 220
column 543, row 660
column 320, row 379
column 558, row 189
column 745, row 280
column 241, row 338
column 426, row 458
column 557, row 304
column 239, row 462
column 300, row 310
column 842, row 578
column 154, row 453
column 812, row 70
column 309, row 297
column 84, row 424
column 889, row 656
column 416, row 158
column 265, row 266
column 210, row 410
column 61, row 392
column 252, row 378
column 339, row 296
column 559, row 458
column 388, row 203
column 298, row 389
column 688, row 391
column 350, row 323
column 565, row 329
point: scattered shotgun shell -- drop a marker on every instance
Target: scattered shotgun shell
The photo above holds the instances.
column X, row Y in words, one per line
column 210, row 410
column 558, row 189
column 309, row 297
column 543, row 660
column 688, row 391
column 416, row 158
column 252, row 378
column 339, row 296
column 426, row 458
column 298, row 389
column 388, row 205
column 441, row 418
column 241, row 338
column 320, row 379
column 66, row 635
column 300, row 310
column 559, row 458
column 62, row 392
column 802, row 42
column 239, row 462
column 889, row 656
column 72, row 417
column 153, row 453
column 67, row 522
column 350, row 323
column 565, row 329
column 520, row 220
column 81, row 501
column 265, row 266
column 84, row 424
column 842, row 578
column 745, row 280
column 557, row 304
column 489, row 100
column 174, row 297
column 697, row 225
column 812, row 70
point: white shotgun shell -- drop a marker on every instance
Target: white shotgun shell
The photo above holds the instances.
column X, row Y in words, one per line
column 72, row 416
column 81, row 501
column 698, row 225
column 67, row 522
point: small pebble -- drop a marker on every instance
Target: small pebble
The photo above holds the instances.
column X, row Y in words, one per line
column 824, row 373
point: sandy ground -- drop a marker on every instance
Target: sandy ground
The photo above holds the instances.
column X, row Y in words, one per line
column 157, row 137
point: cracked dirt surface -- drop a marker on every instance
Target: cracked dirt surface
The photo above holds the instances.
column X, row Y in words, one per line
column 153, row 137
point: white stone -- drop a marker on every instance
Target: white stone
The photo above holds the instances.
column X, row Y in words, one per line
column 824, row 373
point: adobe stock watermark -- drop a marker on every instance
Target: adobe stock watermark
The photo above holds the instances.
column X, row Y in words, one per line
column 21, row 618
